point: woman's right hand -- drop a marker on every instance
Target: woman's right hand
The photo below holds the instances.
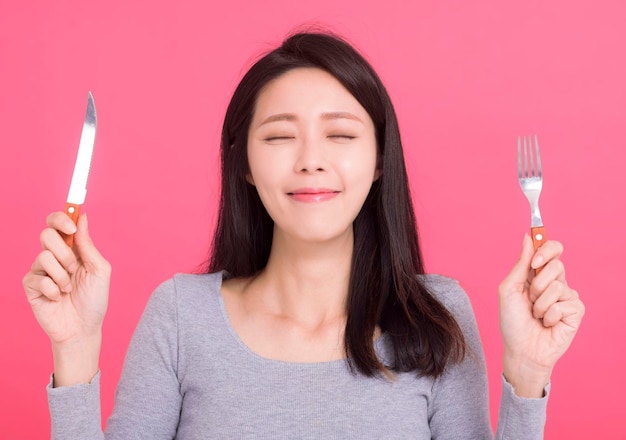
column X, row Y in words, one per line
column 68, row 291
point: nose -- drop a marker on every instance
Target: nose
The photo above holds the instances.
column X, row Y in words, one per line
column 311, row 156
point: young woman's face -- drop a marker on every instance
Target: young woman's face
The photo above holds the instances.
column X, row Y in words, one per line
column 312, row 154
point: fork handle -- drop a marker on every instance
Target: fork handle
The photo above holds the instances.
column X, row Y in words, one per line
column 538, row 234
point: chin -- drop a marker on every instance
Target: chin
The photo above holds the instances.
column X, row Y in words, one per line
column 319, row 235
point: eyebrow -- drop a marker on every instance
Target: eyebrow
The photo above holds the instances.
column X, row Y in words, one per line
column 328, row 116
column 340, row 115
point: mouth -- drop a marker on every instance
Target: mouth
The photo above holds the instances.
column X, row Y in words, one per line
column 312, row 194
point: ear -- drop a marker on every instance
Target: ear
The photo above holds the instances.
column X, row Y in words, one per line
column 249, row 179
column 377, row 174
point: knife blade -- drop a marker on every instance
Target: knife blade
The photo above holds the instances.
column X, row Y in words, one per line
column 78, row 186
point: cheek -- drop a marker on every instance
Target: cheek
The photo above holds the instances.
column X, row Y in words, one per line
column 360, row 167
column 256, row 166
column 265, row 176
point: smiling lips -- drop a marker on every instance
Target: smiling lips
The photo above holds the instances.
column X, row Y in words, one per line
column 311, row 195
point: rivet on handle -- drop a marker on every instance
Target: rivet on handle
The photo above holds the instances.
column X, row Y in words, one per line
column 73, row 211
column 539, row 238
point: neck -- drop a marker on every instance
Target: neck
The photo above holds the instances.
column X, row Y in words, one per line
column 307, row 281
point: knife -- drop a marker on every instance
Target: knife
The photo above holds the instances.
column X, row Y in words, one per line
column 78, row 187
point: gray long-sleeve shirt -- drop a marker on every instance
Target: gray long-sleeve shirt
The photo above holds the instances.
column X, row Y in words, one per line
column 188, row 375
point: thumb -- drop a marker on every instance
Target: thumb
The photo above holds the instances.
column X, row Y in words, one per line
column 519, row 273
column 87, row 251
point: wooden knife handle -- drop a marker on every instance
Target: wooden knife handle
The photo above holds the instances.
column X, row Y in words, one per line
column 73, row 211
column 539, row 237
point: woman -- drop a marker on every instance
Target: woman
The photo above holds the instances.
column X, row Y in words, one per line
column 315, row 319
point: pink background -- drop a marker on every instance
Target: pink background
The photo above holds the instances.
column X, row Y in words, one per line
column 466, row 78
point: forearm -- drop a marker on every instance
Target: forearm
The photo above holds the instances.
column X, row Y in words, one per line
column 76, row 362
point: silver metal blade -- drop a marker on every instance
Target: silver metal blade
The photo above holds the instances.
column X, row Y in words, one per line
column 78, row 187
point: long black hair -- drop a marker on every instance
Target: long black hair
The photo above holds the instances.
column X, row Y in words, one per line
column 385, row 287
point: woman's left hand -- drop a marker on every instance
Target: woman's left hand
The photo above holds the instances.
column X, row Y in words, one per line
column 539, row 317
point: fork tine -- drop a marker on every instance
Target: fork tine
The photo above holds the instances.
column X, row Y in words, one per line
column 531, row 158
column 537, row 158
column 519, row 157
column 526, row 169
column 530, row 170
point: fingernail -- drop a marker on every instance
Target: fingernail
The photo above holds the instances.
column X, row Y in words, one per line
column 68, row 288
column 537, row 261
column 72, row 268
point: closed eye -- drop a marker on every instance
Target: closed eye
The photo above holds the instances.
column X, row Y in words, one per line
column 277, row 138
column 342, row 137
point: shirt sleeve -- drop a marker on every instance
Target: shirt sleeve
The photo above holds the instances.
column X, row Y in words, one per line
column 75, row 411
column 148, row 398
column 460, row 397
column 522, row 418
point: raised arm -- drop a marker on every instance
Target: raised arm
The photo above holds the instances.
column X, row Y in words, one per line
column 539, row 317
column 68, row 291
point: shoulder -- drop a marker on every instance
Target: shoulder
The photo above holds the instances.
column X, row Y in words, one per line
column 198, row 283
column 448, row 291
column 186, row 291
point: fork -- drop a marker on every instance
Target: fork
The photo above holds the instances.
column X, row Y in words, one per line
column 530, row 180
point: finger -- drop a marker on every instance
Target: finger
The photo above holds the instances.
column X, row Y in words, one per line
column 553, row 271
column 53, row 242
column 549, row 250
column 89, row 254
column 519, row 274
column 555, row 292
column 60, row 221
column 37, row 286
column 569, row 313
column 47, row 265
